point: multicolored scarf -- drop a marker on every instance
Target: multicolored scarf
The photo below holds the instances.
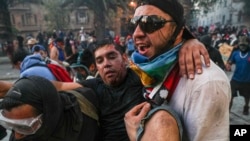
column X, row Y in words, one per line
column 152, row 72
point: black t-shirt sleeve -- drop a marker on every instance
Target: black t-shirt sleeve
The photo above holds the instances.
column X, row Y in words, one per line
column 90, row 83
column 89, row 94
column 187, row 34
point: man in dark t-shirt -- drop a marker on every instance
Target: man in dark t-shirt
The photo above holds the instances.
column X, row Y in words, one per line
column 118, row 90
column 114, row 102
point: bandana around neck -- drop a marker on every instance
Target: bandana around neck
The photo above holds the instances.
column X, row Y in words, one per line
column 153, row 71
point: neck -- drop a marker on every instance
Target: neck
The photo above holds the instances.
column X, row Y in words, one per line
column 178, row 41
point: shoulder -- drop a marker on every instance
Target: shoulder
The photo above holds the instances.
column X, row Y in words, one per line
column 211, row 77
column 92, row 83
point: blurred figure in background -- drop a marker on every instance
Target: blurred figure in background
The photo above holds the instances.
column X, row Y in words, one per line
column 240, row 81
column 213, row 52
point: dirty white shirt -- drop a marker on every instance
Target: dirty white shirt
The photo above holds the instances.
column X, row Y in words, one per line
column 203, row 105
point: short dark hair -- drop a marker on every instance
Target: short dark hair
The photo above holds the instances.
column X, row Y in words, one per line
column 85, row 58
column 104, row 42
column 59, row 40
column 18, row 56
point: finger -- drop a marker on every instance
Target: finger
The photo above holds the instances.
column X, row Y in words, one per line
column 135, row 110
column 206, row 57
column 197, row 62
column 182, row 63
column 190, row 65
column 143, row 112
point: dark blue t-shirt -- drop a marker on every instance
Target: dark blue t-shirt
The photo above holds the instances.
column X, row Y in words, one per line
column 242, row 69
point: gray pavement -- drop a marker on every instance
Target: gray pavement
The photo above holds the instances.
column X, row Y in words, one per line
column 236, row 116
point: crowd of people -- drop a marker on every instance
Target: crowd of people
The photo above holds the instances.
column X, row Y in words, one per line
column 238, row 41
column 151, row 85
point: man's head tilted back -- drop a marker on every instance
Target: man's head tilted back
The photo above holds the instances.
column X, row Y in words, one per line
column 161, row 22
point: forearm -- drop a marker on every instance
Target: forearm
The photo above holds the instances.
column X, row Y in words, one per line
column 4, row 87
column 63, row 86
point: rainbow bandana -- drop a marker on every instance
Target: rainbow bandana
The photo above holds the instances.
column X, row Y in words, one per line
column 152, row 72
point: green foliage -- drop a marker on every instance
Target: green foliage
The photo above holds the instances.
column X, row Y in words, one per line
column 57, row 16
column 246, row 7
column 5, row 19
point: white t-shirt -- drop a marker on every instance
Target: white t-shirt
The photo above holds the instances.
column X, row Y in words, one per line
column 203, row 105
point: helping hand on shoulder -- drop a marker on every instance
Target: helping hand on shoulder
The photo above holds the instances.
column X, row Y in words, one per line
column 190, row 58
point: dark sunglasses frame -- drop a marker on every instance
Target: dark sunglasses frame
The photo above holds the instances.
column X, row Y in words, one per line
column 147, row 23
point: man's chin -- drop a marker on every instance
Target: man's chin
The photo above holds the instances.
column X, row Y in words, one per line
column 112, row 83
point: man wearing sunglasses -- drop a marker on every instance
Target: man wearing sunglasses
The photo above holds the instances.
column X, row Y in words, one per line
column 202, row 104
column 34, row 111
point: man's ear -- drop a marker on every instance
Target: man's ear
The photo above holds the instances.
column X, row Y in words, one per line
column 125, row 57
column 179, row 36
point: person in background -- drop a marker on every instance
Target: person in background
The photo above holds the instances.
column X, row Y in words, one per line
column 70, row 47
column 9, row 49
column 18, row 43
column 40, row 49
column 40, row 38
column 57, row 52
column 35, row 64
column 130, row 45
column 18, row 57
column 201, row 104
column 213, row 52
column 31, row 42
column 84, row 66
column 216, row 40
column 240, row 80
column 83, row 38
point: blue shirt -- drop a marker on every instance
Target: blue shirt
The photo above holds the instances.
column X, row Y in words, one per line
column 34, row 65
column 242, row 66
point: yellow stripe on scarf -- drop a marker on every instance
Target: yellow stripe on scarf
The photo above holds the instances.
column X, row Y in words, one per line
column 145, row 78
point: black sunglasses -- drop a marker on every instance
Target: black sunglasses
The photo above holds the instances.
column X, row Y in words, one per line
column 147, row 23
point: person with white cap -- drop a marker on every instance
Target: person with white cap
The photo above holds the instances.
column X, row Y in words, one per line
column 31, row 42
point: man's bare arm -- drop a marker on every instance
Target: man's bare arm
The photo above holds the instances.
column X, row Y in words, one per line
column 63, row 86
column 60, row 86
column 4, row 87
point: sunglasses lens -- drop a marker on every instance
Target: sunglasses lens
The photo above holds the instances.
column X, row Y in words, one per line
column 133, row 24
column 148, row 24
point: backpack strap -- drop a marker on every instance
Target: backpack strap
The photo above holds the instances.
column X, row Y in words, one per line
column 86, row 106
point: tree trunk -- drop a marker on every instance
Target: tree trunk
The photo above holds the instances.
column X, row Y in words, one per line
column 5, row 24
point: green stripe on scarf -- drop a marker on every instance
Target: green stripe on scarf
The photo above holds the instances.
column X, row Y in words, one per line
column 159, row 66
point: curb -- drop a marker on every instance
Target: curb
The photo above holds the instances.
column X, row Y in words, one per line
column 9, row 78
column 4, row 60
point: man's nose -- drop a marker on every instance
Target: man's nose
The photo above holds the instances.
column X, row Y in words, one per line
column 138, row 32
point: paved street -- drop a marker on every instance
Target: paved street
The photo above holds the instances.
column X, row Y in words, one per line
column 236, row 116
